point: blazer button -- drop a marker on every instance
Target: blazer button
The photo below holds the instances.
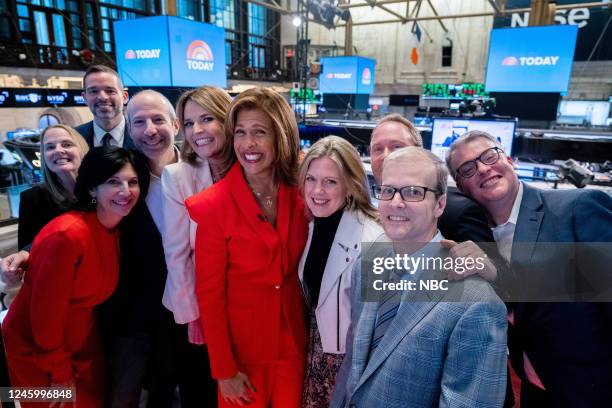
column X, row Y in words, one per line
column 277, row 286
column 348, row 259
column 356, row 246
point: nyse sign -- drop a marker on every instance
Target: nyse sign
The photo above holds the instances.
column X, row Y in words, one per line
column 594, row 35
column 576, row 16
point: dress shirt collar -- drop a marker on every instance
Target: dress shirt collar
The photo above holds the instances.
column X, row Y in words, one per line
column 116, row 133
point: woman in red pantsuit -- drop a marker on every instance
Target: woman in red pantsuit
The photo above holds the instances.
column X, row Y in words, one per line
column 50, row 330
column 251, row 233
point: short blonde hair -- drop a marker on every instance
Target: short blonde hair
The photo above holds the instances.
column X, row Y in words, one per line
column 286, row 134
column 215, row 101
column 412, row 130
column 408, row 153
column 51, row 181
column 347, row 159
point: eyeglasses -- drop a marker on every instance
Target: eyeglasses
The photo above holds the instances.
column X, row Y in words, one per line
column 488, row 157
column 408, row 193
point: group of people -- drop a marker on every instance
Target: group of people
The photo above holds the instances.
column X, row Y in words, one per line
column 232, row 268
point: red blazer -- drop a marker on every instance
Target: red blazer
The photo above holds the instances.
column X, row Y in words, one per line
column 50, row 331
column 246, row 273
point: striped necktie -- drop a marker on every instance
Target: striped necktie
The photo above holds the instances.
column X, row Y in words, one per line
column 106, row 140
column 387, row 309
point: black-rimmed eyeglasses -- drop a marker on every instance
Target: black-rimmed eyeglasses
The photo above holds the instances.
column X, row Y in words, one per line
column 407, row 193
column 488, row 157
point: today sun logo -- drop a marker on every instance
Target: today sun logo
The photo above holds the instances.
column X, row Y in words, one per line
column 200, row 56
column 366, row 76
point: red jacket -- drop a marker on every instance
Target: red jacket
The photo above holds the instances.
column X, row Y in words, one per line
column 246, row 273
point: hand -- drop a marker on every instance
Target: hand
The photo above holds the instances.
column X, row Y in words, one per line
column 466, row 250
column 59, row 403
column 13, row 267
column 195, row 334
column 237, row 389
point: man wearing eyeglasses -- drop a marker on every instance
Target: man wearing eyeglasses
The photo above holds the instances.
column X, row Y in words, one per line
column 561, row 351
column 463, row 219
column 432, row 351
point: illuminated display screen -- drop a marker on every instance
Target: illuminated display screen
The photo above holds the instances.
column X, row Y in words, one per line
column 446, row 130
column 455, row 91
column 347, row 75
column 170, row 51
column 531, row 59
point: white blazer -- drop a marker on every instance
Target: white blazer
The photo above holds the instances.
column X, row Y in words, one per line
column 179, row 181
column 333, row 312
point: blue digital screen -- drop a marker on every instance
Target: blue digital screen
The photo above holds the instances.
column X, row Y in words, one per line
column 143, row 56
column 365, row 78
column 198, row 53
column 170, row 51
column 347, row 75
column 531, row 59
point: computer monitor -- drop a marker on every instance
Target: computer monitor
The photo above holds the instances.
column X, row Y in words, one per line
column 446, row 130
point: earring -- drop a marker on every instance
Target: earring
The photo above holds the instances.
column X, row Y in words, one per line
column 93, row 201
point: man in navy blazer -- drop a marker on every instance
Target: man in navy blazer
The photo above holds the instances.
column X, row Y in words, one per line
column 105, row 96
column 561, row 351
column 439, row 349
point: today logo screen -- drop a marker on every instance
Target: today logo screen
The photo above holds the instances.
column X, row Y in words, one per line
column 200, row 56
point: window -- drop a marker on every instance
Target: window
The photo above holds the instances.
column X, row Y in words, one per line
column 259, row 44
column 47, row 120
column 222, row 13
column 188, row 9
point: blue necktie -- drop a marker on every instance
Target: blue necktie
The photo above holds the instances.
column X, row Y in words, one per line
column 387, row 309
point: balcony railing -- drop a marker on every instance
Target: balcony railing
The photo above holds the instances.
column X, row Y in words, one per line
column 48, row 56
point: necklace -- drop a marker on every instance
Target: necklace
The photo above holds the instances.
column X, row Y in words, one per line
column 267, row 200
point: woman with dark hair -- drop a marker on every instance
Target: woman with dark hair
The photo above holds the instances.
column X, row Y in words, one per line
column 50, row 331
column 251, row 230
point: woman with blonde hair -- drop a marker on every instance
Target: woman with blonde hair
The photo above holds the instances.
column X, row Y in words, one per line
column 250, row 235
column 335, row 189
column 206, row 156
column 61, row 151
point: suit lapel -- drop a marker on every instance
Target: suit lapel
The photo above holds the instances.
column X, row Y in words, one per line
column 411, row 311
column 283, row 218
column 527, row 225
column 344, row 249
column 408, row 316
column 252, row 215
column 362, row 340
column 306, row 249
column 128, row 143
column 89, row 136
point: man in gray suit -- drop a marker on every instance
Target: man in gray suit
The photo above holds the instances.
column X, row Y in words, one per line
column 105, row 96
column 444, row 348
column 558, row 245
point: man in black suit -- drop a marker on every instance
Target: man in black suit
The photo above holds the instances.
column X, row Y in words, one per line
column 105, row 97
column 463, row 219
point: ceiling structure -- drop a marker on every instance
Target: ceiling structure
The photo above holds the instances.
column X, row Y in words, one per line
column 412, row 8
